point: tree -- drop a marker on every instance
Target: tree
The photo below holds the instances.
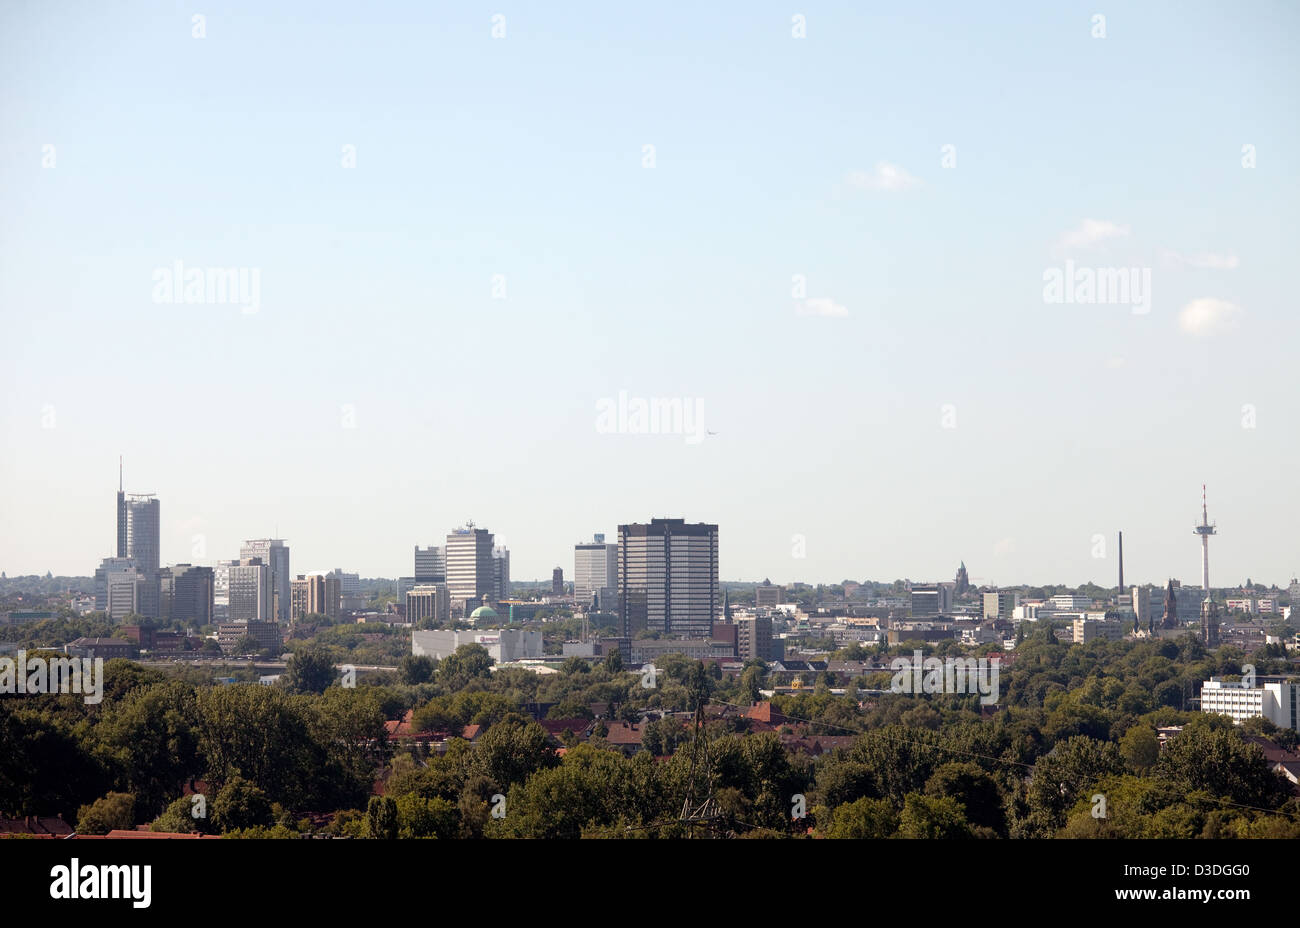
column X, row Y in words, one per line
column 470, row 661
column 419, row 817
column 933, row 817
column 114, row 812
column 1217, row 761
column 152, row 739
column 512, row 750
column 382, row 818
column 974, row 789
column 614, row 661
column 178, row 818
column 574, row 666
column 1140, row 748
column 862, row 818
column 240, row 804
column 263, row 735
column 310, row 670
column 1070, row 771
column 415, row 669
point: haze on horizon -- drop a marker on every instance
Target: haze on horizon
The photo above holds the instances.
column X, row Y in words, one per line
column 834, row 251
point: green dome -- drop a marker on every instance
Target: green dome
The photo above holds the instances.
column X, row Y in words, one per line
column 483, row 612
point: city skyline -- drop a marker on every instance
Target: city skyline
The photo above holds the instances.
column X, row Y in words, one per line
column 859, row 257
column 1099, row 544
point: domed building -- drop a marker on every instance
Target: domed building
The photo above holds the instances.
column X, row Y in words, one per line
column 483, row 615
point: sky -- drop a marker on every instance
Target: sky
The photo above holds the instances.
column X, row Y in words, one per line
column 835, row 250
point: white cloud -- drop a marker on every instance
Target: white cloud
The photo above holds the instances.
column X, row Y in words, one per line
column 820, row 306
column 1208, row 316
column 1005, row 546
column 1210, row 262
column 883, row 177
column 1115, row 363
column 1092, row 231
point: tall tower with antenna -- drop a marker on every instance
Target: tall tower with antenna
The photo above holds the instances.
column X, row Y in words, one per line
column 1209, row 608
column 1205, row 530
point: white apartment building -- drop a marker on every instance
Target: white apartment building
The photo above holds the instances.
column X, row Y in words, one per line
column 1276, row 701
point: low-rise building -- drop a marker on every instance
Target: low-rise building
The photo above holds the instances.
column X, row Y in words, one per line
column 1277, row 701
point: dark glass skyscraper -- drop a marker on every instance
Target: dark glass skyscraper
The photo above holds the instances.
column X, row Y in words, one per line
column 668, row 577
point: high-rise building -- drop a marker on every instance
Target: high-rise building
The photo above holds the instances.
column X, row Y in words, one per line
column 187, row 593
column 754, row 639
column 120, row 588
column 931, row 600
column 430, row 565
column 142, row 530
column 221, row 590
column 557, row 582
column 501, row 572
column 107, row 567
column 350, row 598
column 315, row 594
column 1001, row 605
column 251, row 592
column 275, row 554
column 428, row 603
column 471, row 573
column 668, row 577
column 595, row 574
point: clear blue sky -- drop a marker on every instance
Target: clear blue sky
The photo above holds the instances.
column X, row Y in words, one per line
column 774, row 156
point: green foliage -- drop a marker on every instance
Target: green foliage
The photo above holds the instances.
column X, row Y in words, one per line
column 310, row 670
column 413, row 669
column 116, row 811
column 240, row 804
column 382, row 819
column 178, row 818
column 862, row 818
column 933, row 817
column 1140, row 748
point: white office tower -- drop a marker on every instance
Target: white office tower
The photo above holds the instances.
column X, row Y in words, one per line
column 470, row 568
column 275, row 554
column 595, row 574
column 250, row 591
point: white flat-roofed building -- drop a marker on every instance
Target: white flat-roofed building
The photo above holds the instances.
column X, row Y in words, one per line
column 1277, row 701
column 503, row 645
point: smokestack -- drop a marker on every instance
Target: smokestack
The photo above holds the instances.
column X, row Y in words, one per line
column 1121, row 563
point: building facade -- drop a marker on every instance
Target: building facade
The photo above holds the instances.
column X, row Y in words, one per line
column 1277, row 701
column 668, row 577
column 250, row 592
column 275, row 554
column 595, row 574
column 428, row 602
column 187, row 594
column 471, row 571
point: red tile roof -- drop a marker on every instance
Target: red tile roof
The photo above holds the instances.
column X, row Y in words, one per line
column 35, row 825
column 625, row 733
